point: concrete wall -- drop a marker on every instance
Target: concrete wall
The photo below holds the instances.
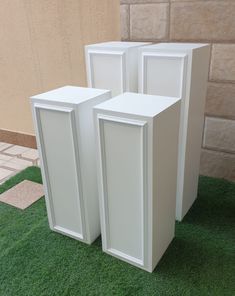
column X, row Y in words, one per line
column 210, row 21
column 42, row 47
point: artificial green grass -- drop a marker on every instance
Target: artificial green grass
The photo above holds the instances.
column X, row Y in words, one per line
column 200, row 260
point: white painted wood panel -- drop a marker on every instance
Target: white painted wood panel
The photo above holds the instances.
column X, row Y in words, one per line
column 125, row 189
column 137, row 218
column 107, row 70
column 63, row 156
column 180, row 70
column 113, row 65
column 160, row 67
column 65, row 137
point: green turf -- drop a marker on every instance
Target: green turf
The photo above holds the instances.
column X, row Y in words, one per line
column 200, row 261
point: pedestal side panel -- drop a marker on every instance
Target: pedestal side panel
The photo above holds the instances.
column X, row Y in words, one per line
column 107, row 70
column 123, row 159
column 58, row 147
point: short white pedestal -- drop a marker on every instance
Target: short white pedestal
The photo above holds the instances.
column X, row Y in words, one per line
column 180, row 70
column 113, row 65
column 137, row 138
column 65, row 136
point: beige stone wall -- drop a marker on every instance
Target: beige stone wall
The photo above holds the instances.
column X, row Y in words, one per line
column 42, row 47
column 211, row 21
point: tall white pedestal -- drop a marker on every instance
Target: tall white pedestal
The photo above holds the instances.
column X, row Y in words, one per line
column 65, row 136
column 180, row 70
column 137, row 138
column 113, row 65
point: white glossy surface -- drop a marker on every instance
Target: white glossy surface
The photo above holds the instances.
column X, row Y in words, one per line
column 124, row 190
column 65, row 136
column 69, row 95
column 181, row 70
column 59, row 156
column 177, row 46
column 113, row 65
column 161, row 67
column 119, row 44
column 138, row 104
column 137, row 136
column 104, row 74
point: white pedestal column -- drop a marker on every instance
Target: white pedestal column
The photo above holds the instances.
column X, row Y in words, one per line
column 113, row 65
column 65, row 137
column 180, row 70
column 137, row 137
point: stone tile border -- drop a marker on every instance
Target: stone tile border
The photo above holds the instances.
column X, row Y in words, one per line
column 14, row 158
column 23, row 194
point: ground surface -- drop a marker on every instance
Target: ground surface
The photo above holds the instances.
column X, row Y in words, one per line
column 200, row 260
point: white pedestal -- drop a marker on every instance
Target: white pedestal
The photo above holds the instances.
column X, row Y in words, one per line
column 113, row 65
column 137, row 168
column 65, row 136
column 180, row 70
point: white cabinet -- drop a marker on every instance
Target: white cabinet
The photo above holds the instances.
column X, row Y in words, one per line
column 137, row 138
column 113, row 65
column 65, row 136
column 180, row 70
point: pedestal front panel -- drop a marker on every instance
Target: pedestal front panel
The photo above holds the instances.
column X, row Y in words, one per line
column 106, row 70
column 60, row 165
column 123, row 161
column 163, row 74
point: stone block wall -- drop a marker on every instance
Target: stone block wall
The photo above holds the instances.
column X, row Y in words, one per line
column 205, row 21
